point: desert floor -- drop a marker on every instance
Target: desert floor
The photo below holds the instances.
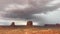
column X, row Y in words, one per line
column 30, row 30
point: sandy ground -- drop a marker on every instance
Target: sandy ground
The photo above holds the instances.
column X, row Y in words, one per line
column 30, row 30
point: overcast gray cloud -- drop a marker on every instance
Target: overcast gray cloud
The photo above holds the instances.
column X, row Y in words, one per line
column 25, row 9
column 33, row 7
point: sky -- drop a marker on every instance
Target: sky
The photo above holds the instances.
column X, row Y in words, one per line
column 20, row 11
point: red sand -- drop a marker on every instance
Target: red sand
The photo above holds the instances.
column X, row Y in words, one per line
column 30, row 31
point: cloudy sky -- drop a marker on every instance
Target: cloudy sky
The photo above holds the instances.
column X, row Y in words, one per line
column 20, row 11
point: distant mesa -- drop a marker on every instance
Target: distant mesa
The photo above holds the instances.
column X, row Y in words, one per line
column 13, row 24
column 29, row 24
column 50, row 25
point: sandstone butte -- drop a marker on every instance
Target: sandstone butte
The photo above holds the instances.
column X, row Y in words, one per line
column 28, row 29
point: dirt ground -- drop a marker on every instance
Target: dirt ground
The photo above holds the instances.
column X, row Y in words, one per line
column 31, row 30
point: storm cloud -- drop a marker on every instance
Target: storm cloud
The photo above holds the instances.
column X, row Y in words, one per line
column 25, row 9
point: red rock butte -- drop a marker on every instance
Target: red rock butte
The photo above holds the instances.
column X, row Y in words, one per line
column 29, row 24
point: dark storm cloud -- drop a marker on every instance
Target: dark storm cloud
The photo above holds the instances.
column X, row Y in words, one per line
column 33, row 7
column 37, row 6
